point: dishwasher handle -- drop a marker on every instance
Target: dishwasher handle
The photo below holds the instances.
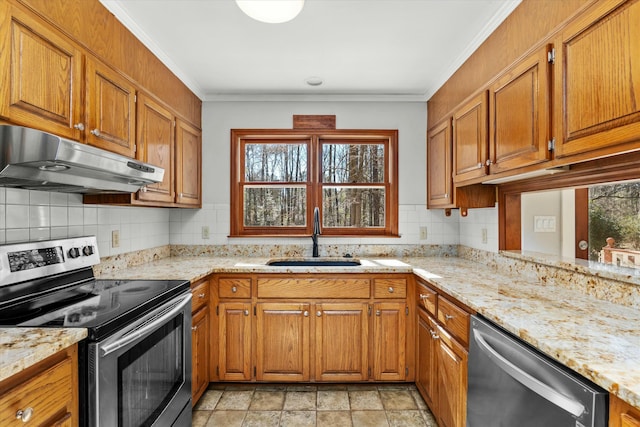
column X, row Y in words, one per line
column 572, row 406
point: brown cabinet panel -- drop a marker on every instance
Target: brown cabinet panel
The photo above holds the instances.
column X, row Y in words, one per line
column 455, row 319
column 389, row 338
column 341, row 342
column 234, row 341
column 439, row 162
column 109, row 109
column 200, row 295
column 41, row 71
column 390, row 288
column 232, row 287
column 427, row 298
column 188, row 159
column 199, row 353
column 313, row 288
column 426, row 373
column 597, row 86
column 282, row 352
column 520, row 114
column 155, row 130
column 470, row 144
column 452, row 381
column 621, row 414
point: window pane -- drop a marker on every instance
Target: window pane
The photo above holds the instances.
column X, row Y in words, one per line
column 353, row 163
column 614, row 224
column 353, row 207
column 275, row 163
column 275, row 206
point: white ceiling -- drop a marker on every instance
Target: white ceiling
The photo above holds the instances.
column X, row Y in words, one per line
column 362, row 49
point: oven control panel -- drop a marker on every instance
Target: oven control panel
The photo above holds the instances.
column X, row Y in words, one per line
column 27, row 261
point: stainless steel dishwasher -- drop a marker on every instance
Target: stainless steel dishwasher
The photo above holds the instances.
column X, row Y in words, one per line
column 513, row 384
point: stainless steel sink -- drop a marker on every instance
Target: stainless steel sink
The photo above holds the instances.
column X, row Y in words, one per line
column 314, row 262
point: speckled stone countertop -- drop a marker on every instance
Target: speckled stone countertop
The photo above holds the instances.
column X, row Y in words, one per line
column 598, row 339
column 24, row 347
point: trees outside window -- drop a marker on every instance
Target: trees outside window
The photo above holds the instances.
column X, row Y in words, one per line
column 280, row 176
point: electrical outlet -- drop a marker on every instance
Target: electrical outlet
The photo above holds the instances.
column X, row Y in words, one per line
column 115, row 238
column 484, row 235
column 423, row 233
column 205, row 231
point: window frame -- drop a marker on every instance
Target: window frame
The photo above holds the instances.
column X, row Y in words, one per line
column 314, row 184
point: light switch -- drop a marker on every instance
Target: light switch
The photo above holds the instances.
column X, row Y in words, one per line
column 544, row 224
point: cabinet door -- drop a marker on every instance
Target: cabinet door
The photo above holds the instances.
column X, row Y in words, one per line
column 520, row 115
column 439, row 178
column 155, row 142
column 451, row 381
column 282, row 332
column 621, row 414
column 235, row 341
column 199, row 353
column 109, row 109
column 389, row 341
column 597, row 86
column 470, row 145
column 41, row 71
column 426, row 380
column 188, row 164
column 343, row 327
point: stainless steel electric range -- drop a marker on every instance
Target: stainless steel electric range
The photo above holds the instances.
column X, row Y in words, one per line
column 135, row 365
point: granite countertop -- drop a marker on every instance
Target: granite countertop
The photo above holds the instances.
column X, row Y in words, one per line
column 24, row 347
column 596, row 338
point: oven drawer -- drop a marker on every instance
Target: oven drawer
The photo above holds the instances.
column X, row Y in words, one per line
column 234, row 288
column 390, row 288
column 454, row 319
column 200, row 295
column 49, row 395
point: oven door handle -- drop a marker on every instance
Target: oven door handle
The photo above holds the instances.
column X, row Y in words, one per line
column 147, row 326
column 572, row 406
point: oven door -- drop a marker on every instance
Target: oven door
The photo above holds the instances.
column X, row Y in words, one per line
column 141, row 375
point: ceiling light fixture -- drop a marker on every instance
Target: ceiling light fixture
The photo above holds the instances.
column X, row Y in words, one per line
column 271, row 11
column 314, row 81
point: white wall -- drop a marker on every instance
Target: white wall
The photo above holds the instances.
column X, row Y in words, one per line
column 544, row 203
column 408, row 117
column 472, row 226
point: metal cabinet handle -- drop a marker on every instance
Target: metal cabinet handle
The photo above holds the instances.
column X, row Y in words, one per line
column 390, row 289
column 479, row 165
column 194, row 328
column 24, row 415
column 446, row 195
column 305, row 313
column 423, row 296
column 448, row 317
column 79, row 126
column 246, row 312
column 319, row 313
column 434, row 334
column 95, row 132
column 234, row 289
column 144, row 189
column 488, row 162
column 201, row 295
column 378, row 312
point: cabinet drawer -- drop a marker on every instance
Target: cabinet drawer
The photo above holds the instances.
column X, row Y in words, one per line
column 454, row 319
column 200, row 295
column 313, row 288
column 234, row 288
column 390, row 288
column 48, row 393
column 427, row 298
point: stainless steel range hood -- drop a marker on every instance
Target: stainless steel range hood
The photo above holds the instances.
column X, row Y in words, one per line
column 36, row 160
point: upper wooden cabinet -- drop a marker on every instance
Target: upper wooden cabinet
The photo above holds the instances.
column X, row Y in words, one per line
column 155, row 137
column 470, row 149
column 519, row 114
column 41, row 72
column 439, row 177
column 597, row 84
column 110, row 101
column 188, row 164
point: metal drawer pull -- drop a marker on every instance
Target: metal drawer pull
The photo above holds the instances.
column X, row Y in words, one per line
column 194, row 328
column 378, row 312
column 201, row 295
column 448, row 317
column 246, row 312
column 390, row 289
column 25, row 415
column 234, row 289
column 79, row 126
column 305, row 313
column 96, row 132
column 434, row 335
column 319, row 313
column 423, row 296
column 573, row 407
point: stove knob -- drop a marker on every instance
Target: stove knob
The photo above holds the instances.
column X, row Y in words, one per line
column 74, row 253
column 87, row 250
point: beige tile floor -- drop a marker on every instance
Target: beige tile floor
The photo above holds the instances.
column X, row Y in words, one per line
column 356, row 405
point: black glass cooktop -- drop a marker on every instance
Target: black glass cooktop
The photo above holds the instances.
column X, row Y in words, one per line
column 101, row 306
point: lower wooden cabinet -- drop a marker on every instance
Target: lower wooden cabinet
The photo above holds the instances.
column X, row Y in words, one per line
column 234, row 341
column 621, row 414
column 389, row 335
column 282, row 350
column 199, row 353
column 49, row 390
column 426, row 351
column 451, row 381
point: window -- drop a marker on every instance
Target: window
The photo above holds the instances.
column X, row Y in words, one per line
column 278, row 177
